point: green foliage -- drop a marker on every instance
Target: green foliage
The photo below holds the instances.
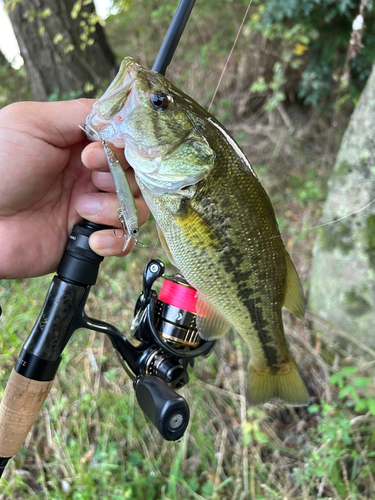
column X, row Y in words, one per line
column 100, row 445
column 13, row 85
column 307, row 187
column 32, row 14
column 66, row 96
column 87, row 23
column 328, row 25
column 294, row 42
column 334, row 456
column 200, row 53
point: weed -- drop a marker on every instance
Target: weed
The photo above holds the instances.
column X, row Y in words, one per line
column 340, row 458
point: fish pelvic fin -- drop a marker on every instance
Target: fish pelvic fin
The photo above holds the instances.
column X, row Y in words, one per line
column 211, row 324
column 294, row 299
column 165, row 246
column 282, row 382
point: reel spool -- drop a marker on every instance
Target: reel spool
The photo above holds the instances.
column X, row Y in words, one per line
column 175, row 312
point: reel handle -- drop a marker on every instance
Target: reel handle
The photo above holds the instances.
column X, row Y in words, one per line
column 166, row 409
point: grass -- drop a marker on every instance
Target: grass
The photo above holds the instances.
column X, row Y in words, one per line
column 91, row 439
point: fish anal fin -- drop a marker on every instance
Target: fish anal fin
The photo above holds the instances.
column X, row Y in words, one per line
column 285, row 384
column 210, row 323
column 165, row 246
column 294, row 299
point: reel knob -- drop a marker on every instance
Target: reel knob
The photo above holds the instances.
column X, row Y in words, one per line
column 166, row 409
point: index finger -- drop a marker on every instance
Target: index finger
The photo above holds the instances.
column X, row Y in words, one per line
column 64, row 119
column 56, row 123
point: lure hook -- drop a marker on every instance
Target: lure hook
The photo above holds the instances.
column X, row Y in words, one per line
column 123, row 226
column 90, row 132
column 125, row 234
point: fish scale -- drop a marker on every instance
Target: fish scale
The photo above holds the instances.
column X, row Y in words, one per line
column 215, row 221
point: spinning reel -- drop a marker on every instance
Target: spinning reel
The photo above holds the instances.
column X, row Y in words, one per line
column 163, row 338
column 166, row 327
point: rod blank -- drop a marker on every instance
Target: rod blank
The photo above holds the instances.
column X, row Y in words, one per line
column 170, row 42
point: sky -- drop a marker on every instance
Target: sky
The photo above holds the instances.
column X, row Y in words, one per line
column 8, row 43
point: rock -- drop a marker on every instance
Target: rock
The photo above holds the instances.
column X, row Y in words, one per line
column 342, row 279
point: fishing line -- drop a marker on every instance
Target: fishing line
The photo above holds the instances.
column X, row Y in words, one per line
column 212, row 100
column 217, row 88
column 155, row 247
column 329, row 222
column 302, row 230
column 230, row 54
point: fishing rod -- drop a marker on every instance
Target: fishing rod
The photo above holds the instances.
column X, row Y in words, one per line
column 164, row 327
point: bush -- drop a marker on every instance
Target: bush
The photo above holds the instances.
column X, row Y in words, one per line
column 328, row 24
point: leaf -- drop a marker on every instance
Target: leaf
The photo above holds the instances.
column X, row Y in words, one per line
column 135, row 458
column 349, row 370
column 224, row 483
column 371, row 405
column 194, row 483
column 336, row 378
column 360, row 406
column 361, row 381
column 208, row 488
column 313, row 408
column 345, row 391
column 57, row 38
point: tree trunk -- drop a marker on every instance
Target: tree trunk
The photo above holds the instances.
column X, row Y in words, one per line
column 3, row 60
column 63, row 46
column 342, row 280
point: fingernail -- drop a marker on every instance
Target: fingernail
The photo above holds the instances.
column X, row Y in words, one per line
column 87, row 205
column 102, row 241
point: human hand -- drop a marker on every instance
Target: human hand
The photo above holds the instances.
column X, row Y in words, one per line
column 43, row 180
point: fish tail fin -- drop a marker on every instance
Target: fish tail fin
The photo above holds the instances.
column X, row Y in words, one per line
column 285, row 383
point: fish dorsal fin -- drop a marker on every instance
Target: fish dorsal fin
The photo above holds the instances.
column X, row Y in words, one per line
column 165, row 246
column 210, row 323
column 294, row 299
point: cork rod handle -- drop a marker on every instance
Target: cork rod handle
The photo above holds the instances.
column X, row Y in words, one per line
column 22, row 401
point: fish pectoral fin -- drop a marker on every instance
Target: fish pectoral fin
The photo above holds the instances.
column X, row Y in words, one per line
column 294, row 299
column 198, row 230
column 285, row 384
column 165, row 246
column 210, row 323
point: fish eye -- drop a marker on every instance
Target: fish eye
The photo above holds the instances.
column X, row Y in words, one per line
column 159, row 99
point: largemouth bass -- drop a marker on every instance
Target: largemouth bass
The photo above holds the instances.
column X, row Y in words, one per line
column 214, row 218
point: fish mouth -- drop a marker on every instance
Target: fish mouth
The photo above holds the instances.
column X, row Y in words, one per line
column 118, row 91
column 110, row 110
